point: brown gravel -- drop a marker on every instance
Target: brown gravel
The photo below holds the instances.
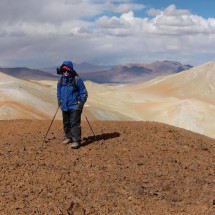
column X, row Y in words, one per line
column 132, row 168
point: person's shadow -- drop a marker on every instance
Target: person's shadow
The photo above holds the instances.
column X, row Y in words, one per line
column 105, row 136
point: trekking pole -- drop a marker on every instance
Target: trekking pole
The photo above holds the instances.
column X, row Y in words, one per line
column 90, row 127
column 44, row 140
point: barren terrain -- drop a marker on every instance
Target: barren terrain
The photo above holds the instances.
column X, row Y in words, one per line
column 184, row 100
column 131, row 168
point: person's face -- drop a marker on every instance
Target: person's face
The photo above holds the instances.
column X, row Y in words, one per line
column 66, row 72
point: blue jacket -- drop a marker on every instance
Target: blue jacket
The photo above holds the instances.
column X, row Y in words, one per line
column 69, row 95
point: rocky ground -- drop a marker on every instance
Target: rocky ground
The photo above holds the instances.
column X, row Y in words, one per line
column 131, row 168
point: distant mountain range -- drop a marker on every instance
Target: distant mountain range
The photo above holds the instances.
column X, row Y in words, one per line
column 83, row 67
column 129, row 73
column 28, row 74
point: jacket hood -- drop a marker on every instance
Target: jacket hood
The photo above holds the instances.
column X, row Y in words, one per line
column 69, row 64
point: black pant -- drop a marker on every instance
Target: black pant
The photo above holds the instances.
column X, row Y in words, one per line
column 72, row 124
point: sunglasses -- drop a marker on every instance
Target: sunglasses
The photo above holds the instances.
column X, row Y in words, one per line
column 64, row 71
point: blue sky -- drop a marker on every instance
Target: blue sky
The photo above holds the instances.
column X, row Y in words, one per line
column 106, row 32
column 205, row 8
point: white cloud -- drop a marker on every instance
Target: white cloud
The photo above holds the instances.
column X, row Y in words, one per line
column 123, row 8
column 169, row 21
column 52, row 11
column 173, row 21
column 126, row 24
column 127, row 7
column 169, row 11
column 154, row 12
column 172, row 11
column 45, row 33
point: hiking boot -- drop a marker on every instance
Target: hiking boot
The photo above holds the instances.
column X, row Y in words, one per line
column 67, row 141
column 75, row 145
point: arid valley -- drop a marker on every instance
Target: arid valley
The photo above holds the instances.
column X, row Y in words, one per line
column 153, row 151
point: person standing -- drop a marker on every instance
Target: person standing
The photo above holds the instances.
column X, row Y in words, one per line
column 72, row 95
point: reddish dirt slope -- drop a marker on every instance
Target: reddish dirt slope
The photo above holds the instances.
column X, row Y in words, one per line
column 132, row 168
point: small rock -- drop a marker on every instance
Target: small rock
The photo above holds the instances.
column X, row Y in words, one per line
column 175, row 198
column 137, row 189
column 76, row 209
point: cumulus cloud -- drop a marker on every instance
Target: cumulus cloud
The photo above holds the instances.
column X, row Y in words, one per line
column 154, row 12
column 175, row 21
column 123, row 8
column 172, row 11
column 45, row 33
column 169, row 21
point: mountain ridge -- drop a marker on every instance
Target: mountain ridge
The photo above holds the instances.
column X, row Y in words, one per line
column 28, row 74
column 128, row 73
column 135, row 73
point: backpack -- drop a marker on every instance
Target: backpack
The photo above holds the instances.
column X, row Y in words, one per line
column 74, row 80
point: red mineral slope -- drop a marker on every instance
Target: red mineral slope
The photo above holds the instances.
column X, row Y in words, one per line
column 131, row 168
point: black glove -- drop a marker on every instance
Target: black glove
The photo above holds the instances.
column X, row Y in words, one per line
column 81, row 104
column 59, row 103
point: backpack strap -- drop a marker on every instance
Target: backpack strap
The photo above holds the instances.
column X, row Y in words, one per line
column 60, row 80
column 74, row 80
